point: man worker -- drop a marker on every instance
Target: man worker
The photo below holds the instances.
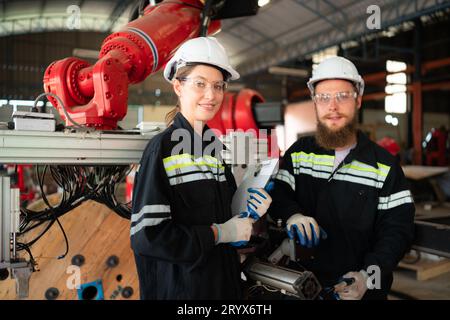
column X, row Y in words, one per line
column 343, row 197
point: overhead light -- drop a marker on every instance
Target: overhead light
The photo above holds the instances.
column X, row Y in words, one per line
column 288, row 72
column 395, row 66
column 85, row 53
column 395, row 103
column 396, row 78
column 262, row 3
column 395, row 88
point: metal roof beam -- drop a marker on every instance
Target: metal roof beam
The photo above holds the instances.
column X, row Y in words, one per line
column 338, row 25
column 329, row 37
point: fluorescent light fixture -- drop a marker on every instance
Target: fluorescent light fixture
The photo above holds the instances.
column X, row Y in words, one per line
column 395, row 88
column 288, row 72
column 396, row 78
column 395, row 103
column 395, row 66
column 262, row 3
column 394, row 121
column 388, row 118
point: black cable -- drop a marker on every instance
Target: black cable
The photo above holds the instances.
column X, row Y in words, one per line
column 78, row 183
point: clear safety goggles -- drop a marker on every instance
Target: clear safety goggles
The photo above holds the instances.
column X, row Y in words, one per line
column 324, row 99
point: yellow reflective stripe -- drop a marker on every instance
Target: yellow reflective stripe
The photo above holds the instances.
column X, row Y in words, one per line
column 189, row 164
column 359, row 166
column 177, row 156
column 383, row 166
column 193, row 169
column 186, row 160
column 322, row 159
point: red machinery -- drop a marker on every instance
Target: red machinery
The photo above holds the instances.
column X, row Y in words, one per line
column 96, row 96
column 237, row 113
column 390, row 145
column 435, row 146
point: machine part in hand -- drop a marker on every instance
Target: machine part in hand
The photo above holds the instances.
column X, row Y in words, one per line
column 51, row 293
column 303, row 285
column 113, row 261
column 283, row 250
column 78, row 260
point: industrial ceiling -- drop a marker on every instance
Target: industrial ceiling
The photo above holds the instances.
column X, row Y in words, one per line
column 282, row 31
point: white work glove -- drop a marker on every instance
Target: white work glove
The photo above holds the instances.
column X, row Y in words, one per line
column 236, row 231
column 305, row 229
column 356, row 290
column 257, row 204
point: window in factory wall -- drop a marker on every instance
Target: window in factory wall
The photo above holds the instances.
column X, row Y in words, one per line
column 396, row 80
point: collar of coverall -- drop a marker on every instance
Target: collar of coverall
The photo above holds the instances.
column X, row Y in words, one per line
column 360, row 152
column 180, row 122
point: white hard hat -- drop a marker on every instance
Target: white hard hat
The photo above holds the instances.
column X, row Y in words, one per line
column 336, row 68
column 200, row 50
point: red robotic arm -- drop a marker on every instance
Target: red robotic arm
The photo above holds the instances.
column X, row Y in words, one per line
column 96, row 96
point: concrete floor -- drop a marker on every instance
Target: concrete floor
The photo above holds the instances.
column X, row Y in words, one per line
column 437, row 288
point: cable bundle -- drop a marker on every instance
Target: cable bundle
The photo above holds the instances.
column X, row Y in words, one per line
column 78, row 184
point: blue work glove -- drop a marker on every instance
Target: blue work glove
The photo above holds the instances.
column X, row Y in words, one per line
column 305, row 229
column 259, row 202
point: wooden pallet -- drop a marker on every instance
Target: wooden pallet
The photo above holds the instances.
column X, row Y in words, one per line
column 94, row 231
column 427, row 269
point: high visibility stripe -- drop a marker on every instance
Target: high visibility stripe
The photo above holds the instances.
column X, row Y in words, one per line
column 395, row 200
column 151, row 208
column 194, row 169
column 310, row 172
column 147, row 222
column 362, row 174
column 285, row 176
column 186, row 160
column 196, row 177
column 314, row 166
column 382, row 169
column 320, row 159
column 185, row 168
column 360, row 180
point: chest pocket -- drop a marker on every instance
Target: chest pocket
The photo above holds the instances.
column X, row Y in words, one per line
column 362, row 208
column 197, row 194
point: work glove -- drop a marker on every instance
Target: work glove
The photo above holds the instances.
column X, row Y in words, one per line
column 305, row 229
column 355, row 290
column 258, row 202
column 236, row 231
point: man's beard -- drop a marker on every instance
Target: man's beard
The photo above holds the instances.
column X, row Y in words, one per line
column 332, row 139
